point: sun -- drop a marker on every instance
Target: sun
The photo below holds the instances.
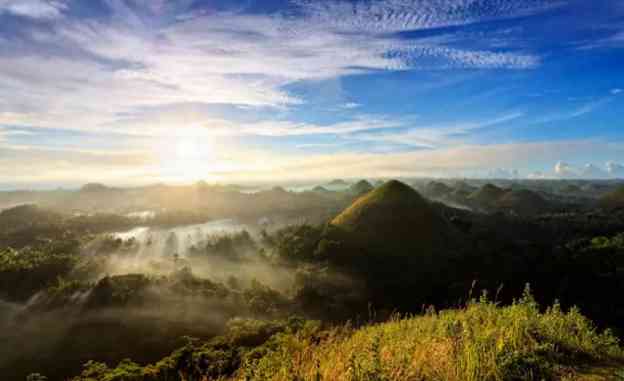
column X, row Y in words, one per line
column 186, row 158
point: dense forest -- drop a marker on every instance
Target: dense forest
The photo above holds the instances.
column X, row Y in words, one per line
column 383, row 280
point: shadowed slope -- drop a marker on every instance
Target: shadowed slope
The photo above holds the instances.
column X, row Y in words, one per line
column 614, row 199
column 487, row 195
column 360, row 188
column 523, row 202
column 394, row 217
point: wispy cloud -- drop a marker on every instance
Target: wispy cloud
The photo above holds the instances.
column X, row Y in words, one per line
column 579, row 111
column 401, row 15
column 350, row 105
column 226, row 57
column 436, row 136
column 36, row 9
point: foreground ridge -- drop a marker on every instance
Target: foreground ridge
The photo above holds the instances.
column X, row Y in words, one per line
column 481, row 341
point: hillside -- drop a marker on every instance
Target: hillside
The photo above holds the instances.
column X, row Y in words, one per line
column 360, row 188
column 394, row 217
column 481, row 341
column 487, row 195
column 437, row 189
column 464, row 186
column 614, row 199
column 523, row 202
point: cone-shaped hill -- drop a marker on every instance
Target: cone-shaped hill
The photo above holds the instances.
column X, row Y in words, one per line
column 462, row 186
column 523, row 202
column 394, row 217
column 487, row 195
column 396, row 241
column 437, row 189
column 571, row 189
column 320, row 189
column 614, row 199
column 360, row 188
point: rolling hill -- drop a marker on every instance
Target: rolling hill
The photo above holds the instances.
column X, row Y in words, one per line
column 613, row 200
column 360, row 188
column 523, row 202
column 394, row 217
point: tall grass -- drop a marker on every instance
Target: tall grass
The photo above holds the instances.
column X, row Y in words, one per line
column 481, row 341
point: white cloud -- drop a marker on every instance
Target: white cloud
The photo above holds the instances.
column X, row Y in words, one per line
column 400, row 15
column 37, row 9
column 351, row 105
column 435, row 136
column 615, row 169
column 579, row 111
column 226, row 57
column 588, row 171
column 591, row 171
column 537, row 175
column 503, row 173
column 563, row 169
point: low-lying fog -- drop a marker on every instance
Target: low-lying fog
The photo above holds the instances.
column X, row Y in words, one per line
column 216, row 250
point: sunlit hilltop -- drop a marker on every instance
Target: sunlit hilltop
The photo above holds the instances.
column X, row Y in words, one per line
column 311, row 190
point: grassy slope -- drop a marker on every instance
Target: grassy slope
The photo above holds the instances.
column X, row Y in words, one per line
column 394, row 217
column 479, row 342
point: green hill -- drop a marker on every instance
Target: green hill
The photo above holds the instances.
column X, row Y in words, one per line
column 523, row 202
column 396, row 242
column 487, row 195
column 360, row 188
column 320, row 189
column 614, row 199
column 437, row 189
column 464, row 187
column 571, row 189
column 394, row 216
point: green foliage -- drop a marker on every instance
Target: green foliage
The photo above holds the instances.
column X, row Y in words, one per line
column 614, row 243
column 220, row 357
column 480, row 342
column 26, row 271
column 297, row 242
column 232, row 246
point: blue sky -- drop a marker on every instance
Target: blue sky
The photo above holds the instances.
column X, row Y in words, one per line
column 136, row 91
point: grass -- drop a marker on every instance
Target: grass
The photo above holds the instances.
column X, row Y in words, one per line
column 482, row 341
column 479, row 342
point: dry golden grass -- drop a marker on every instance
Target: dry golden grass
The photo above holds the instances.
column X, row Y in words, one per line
column 480, row 342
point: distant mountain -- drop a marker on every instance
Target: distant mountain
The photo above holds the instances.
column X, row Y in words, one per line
column 487, row 195
column 94, row 187
column 613, row 199
column 320, row 189
column 360, row 188
column 338, row 183
column 523, row 202
column 571, row 189
column 437, row 189
column 463, row 187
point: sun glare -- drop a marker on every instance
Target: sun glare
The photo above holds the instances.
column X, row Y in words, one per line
column 187, row 158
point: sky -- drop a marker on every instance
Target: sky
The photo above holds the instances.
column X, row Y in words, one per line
column 131, row 92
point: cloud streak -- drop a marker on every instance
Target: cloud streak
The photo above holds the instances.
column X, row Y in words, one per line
column 225, row 57
column 36, row 9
